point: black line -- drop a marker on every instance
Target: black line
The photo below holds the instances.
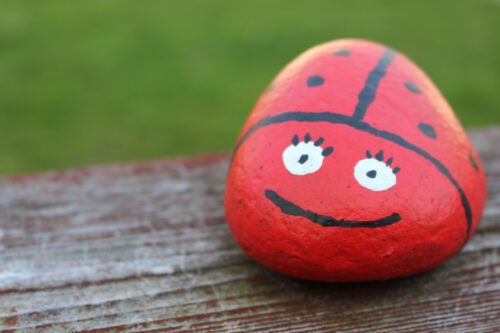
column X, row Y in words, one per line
column 473, row 162
column 290, row 208
column 336, row 118
column 367, row 94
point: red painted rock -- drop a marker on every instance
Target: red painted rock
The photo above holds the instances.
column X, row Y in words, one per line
column 351, row 167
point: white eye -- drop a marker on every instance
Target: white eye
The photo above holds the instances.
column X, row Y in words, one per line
column 302, row 158
column 374, row 174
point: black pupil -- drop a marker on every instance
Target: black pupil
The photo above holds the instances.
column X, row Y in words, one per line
column 372, row 173
column 303, row 159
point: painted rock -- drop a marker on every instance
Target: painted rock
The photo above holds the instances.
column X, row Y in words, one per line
column 352, row 167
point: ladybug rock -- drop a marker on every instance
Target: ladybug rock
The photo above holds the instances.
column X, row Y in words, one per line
column 353, row 167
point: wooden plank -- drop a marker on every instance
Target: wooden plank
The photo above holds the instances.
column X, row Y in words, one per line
column 145, row 248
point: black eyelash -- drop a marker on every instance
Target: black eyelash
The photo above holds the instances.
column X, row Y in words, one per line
column 380, row 157
column 319, row 141
column 327, row 151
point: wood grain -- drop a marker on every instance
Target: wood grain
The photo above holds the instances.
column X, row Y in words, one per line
column 145, row 248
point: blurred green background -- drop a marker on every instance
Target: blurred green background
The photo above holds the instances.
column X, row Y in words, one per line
column 95, row 81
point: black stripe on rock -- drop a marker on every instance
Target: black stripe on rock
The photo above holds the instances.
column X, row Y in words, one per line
column 367, row 95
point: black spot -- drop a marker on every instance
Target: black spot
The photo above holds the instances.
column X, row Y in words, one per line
column 428, row 130
column 372, row 173
column 389, row 161
column 303, row 159
column 473, row 162
column 343, row 53
column 396, row 170
column 380, row 156
column 307, row 138
column 412, row 87
column 314, row 81
column 295, row 140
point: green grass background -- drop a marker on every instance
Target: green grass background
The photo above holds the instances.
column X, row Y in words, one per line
column 95, row 81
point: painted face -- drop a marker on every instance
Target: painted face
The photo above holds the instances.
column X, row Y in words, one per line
column 353, row 167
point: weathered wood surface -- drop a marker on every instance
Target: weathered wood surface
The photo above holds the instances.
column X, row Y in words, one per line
column 145, row 248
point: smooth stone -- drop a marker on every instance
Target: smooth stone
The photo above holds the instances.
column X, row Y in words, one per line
column 353, row 168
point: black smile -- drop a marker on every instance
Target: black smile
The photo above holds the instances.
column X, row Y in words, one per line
column 290, row 208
